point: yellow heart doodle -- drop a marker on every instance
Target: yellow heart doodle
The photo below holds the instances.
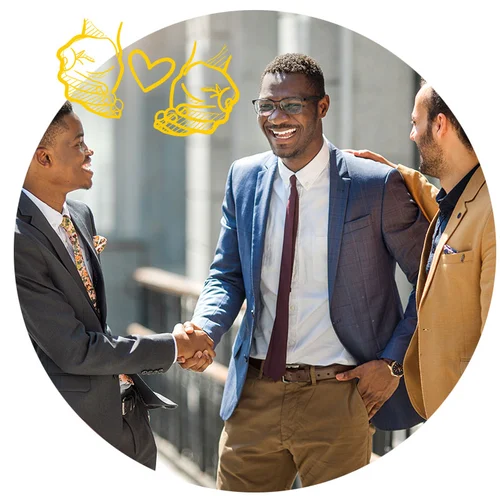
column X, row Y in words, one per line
column 150, row 66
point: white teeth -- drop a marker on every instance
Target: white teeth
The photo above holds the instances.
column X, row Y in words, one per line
column 284, row 134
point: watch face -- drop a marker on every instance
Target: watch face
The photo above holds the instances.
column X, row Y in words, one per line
column 397, row 369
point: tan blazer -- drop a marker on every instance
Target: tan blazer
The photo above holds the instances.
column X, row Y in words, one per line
column 453, row 300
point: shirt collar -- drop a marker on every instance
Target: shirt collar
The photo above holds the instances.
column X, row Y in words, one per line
column 53, row 217
column 448, row 201
column 307, row 175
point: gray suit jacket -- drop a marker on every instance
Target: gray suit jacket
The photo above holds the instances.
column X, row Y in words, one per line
column 74, row 343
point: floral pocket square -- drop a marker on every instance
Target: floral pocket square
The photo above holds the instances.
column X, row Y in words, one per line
column 99, row 243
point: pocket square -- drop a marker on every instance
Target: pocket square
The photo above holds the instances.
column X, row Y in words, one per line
column 99, row 243
column 447, row 249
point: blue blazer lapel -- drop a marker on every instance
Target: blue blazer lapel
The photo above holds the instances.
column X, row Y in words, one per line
column 339, row 195
column 263, row 190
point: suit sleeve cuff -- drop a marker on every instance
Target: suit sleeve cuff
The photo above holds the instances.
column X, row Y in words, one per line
column 206, row 325
column 393, row 353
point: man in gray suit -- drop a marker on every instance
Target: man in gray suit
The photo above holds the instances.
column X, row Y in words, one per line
column 310, row 238
column 61, row 291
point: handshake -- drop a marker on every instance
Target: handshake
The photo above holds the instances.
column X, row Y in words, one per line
column 194, row 347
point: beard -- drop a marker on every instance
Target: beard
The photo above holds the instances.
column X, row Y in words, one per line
column 431, row 157
column 283, row 154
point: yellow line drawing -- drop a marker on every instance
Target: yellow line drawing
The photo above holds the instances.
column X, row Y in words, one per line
column 200, row 111
column 82, row 83
column 150, row 66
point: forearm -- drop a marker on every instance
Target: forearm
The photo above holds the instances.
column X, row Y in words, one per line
column 58, row 328
column 224, row 290
column 79, row 351
column 218, row 306
column 400, row 340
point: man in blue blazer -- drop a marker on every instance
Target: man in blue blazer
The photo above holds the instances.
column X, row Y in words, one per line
column 310, row 239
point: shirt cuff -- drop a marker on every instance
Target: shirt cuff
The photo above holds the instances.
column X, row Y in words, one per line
column 175, row 351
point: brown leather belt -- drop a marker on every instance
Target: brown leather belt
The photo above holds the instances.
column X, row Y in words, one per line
column 305, row 373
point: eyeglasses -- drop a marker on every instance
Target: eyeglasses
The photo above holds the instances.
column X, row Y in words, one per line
column 290, row 105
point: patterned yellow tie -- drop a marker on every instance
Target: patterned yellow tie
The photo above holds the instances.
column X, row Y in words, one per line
column 67, row 224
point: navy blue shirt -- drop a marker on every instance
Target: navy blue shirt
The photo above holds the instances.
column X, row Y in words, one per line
column 447, row 203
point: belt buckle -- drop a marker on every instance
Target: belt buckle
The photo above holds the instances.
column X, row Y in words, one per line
column 293, row 367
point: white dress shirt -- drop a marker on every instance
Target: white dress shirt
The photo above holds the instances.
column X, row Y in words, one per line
column 311, row 337
column 54, row 218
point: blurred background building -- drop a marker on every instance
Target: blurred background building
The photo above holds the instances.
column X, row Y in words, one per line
column 157, row 198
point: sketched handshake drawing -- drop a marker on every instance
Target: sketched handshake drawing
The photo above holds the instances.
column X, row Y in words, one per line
column 189, row 111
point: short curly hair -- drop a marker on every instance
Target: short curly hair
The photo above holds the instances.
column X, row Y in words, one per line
column 56, row 125
column 299, row 64
column 436, row 105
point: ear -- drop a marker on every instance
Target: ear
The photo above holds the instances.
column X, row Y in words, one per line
column 323, row 106
column 441, row 125
column 43, row 157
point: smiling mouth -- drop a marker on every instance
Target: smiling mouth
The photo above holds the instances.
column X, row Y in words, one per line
column 87, row 167
column 283, row 133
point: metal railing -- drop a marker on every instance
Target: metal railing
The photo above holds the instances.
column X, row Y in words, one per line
column 191, row 432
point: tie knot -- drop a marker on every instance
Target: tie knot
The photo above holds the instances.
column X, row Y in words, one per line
column 293, row 181
column 67, row 224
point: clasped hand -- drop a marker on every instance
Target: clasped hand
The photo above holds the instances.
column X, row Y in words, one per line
column 194, row 347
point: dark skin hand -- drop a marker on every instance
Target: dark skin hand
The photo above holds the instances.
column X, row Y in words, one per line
column 190, row 344
column 201, row 360
column 376, row 384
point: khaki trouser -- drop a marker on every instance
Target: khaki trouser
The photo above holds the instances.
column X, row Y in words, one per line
column 319, row 430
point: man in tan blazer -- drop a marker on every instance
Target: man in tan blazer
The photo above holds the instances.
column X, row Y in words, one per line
column 457, row 268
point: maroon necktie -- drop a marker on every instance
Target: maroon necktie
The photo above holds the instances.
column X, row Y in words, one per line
column 275, row 363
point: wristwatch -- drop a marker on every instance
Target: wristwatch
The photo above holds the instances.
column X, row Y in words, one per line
column 395, row 368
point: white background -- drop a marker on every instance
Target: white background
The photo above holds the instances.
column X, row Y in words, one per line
column 46, row 449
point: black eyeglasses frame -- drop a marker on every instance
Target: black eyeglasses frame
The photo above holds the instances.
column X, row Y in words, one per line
column 279, row 103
